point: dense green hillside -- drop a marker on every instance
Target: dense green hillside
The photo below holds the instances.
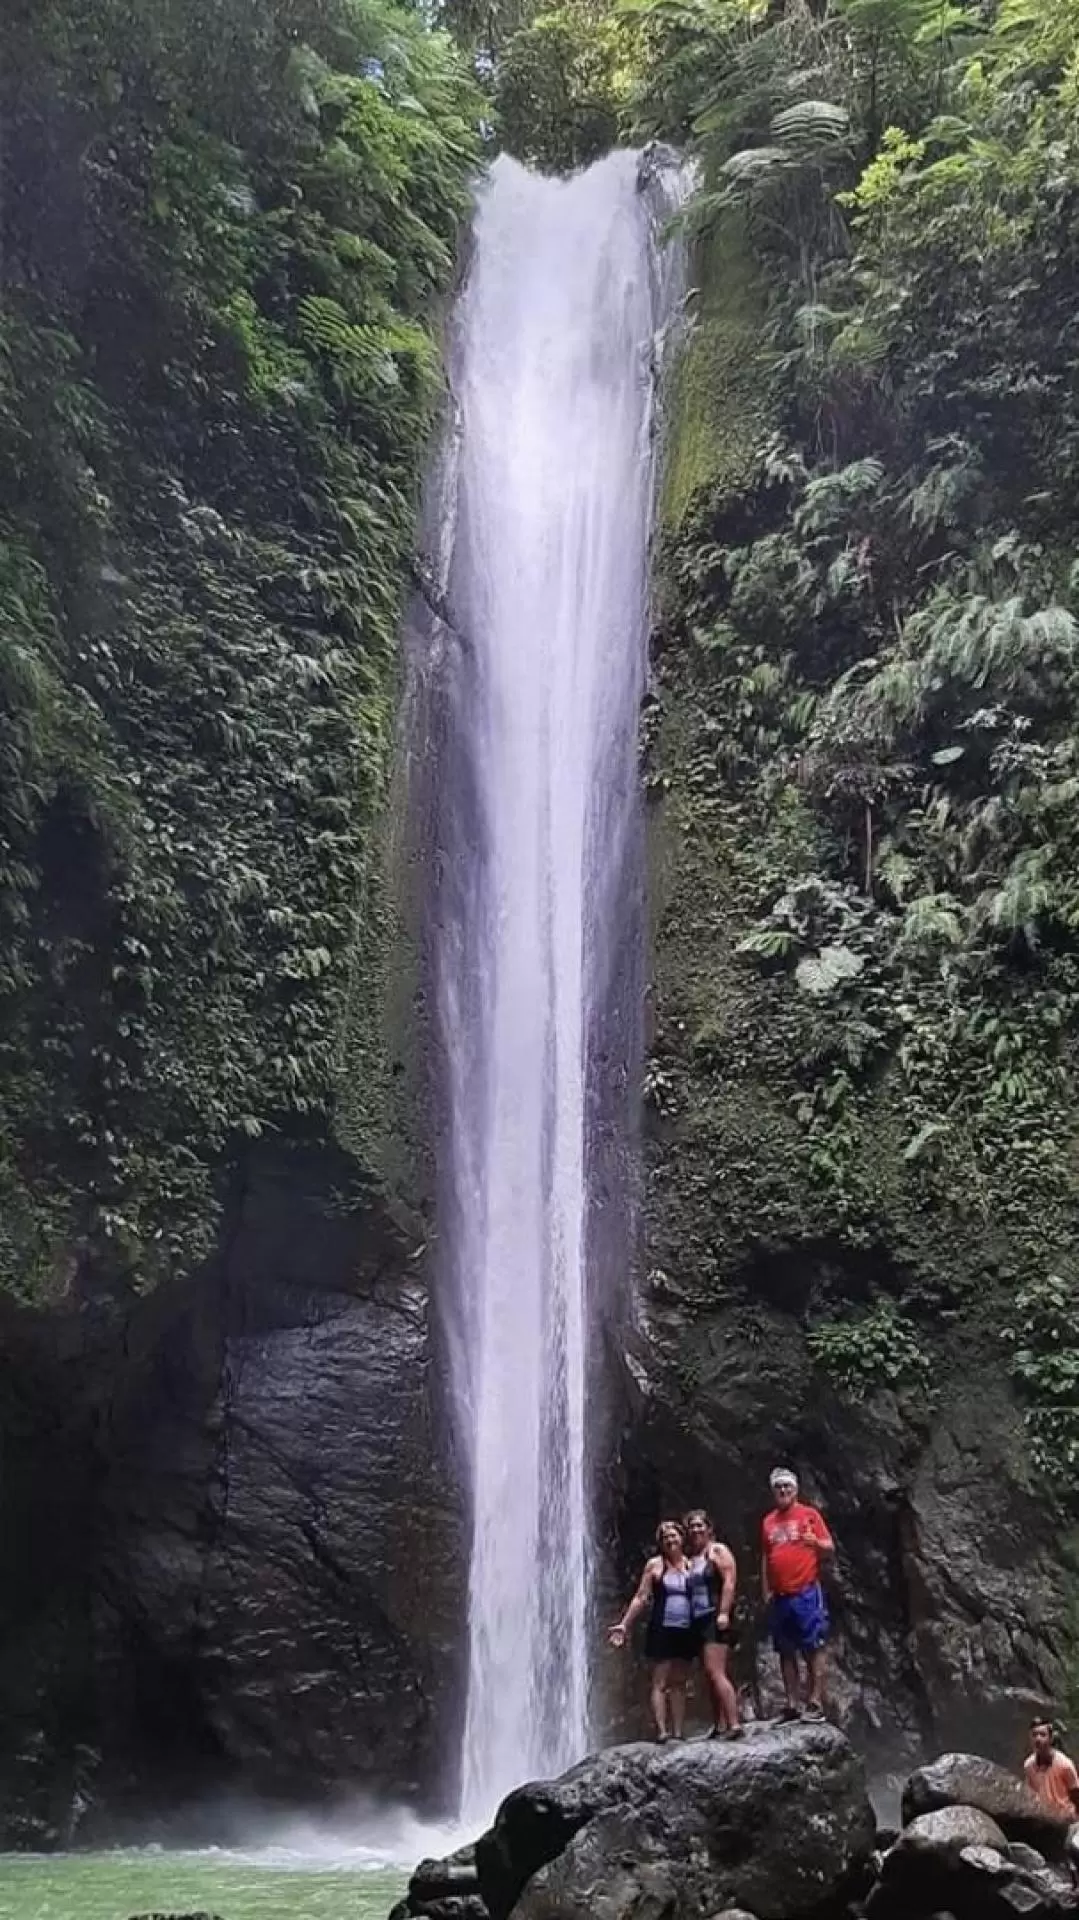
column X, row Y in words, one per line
column 225, row 233
column 225, row 236
column 865, row 741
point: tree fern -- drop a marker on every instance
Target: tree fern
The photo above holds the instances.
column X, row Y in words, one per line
column 930, row 923
column 1025, row 896
column 829, row 499
column 981, row 642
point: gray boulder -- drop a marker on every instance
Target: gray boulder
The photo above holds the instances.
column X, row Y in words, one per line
column 451, row 1906
column 446, row 1889
column 1023, row 1856
column 966, row 1780
column 948, row 1831
column 456, row 1874
column 957, row 1860
column 779, row 1823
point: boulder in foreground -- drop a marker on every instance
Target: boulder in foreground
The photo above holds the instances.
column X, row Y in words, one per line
column 778, row 1823
column 966, row 1780
column 957, row 1860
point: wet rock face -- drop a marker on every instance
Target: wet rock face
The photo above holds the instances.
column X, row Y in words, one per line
column 280, row 1531
column 271, row 1560
column 779, row 1823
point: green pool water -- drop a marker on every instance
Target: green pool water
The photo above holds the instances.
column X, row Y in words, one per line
column 115, row 1886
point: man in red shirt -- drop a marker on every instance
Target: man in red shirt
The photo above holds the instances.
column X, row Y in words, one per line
column 1049, row 1773
column 796, row 1545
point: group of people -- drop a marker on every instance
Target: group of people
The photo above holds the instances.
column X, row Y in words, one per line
column 688, row 1591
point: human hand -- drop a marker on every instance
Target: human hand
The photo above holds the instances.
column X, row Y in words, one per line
column 617, row 1635
column 723, row 1621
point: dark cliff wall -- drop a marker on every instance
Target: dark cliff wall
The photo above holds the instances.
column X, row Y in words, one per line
column 234, row 1553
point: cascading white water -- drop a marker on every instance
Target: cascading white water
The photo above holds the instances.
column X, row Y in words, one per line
column 545, row 530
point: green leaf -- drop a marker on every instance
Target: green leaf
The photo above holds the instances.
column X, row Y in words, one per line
column 821, row 973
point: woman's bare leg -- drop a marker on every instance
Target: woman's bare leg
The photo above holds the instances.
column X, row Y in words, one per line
column 658, row 1695
column 720, row 1686
column 677, row 1678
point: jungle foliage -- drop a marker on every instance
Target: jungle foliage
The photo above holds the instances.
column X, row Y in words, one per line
column 224, row 232
column 878, row 629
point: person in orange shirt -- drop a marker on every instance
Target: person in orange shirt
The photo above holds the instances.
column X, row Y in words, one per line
column 796, row 1545
column 1049, row 1773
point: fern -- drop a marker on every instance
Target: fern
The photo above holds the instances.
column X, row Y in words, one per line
column 767, row 943
column 829, row 499
column 810, row 126
column 822, row 973
column 1024, row 898
column 982, row 642
column 932, row 922
column 939, row 496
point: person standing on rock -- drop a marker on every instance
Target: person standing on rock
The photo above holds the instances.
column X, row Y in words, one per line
column 1049, row 1773
column 797, row 1546
column 713, row 1577
column 664, row 1594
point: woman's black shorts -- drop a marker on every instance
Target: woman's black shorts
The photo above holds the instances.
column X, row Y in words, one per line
column 670, row 1643
column 708, row 1633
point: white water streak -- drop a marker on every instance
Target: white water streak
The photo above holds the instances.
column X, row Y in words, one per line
column 552, row 477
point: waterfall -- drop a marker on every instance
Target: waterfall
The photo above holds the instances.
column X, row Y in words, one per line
column 543, row 522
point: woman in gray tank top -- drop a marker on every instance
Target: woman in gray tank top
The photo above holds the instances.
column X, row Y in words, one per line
column 664, row 1594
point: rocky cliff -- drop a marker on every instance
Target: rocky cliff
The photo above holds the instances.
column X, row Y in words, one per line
column 238, row 1555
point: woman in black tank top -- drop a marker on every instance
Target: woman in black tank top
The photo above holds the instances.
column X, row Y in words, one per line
column 664, row 1594
column 713, row 1577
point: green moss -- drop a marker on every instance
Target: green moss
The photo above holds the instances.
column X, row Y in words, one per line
column 719, row 395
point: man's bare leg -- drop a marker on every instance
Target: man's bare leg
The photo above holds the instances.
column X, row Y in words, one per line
column 792, row 1681
column 720, row 1686
column 816, row 1673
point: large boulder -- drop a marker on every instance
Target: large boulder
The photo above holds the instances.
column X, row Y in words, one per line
column 446, row 1889
column 921, row 1881
column 966, row 1780
column 778, row 1823
column 947, row 1832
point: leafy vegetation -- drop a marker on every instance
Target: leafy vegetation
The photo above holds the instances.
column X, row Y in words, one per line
column 225, row 233
column 865, row 1351
column 563, row 84
column 869, row 647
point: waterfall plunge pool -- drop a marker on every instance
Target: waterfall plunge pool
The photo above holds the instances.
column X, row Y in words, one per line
column 271, row 1884
column 352, row 1866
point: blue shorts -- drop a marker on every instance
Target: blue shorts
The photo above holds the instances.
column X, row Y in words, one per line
column 799, row 1620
